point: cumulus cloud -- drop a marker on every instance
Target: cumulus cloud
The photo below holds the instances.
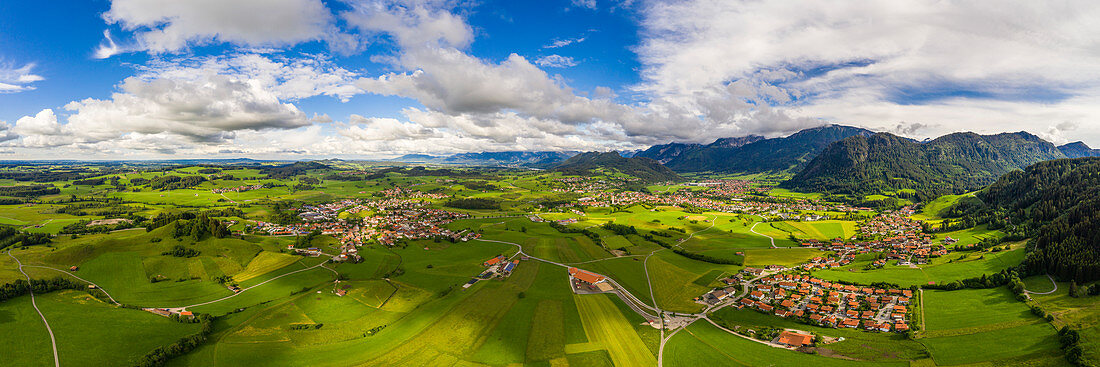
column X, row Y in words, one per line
column 170, row 26
column 877, row 64
column 288, row 78
column 209, row 108
column 556, row 61
column 411, row 24
column 17, row 79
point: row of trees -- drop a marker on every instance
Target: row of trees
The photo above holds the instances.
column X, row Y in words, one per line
column 10, row 236
column 21, row 287
column 161, row 355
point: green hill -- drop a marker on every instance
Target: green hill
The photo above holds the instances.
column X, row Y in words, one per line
column 950, row 164
column 646, row 169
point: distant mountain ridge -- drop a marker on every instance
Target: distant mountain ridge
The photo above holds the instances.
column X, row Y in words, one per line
column 1078, row 150
column 506, row 158
column 953, row 163
column 752, row 153
column 646, row 169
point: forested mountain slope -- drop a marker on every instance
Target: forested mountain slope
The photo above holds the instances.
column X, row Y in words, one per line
column 1056, row 204
column 644, row 168
column 952, row 163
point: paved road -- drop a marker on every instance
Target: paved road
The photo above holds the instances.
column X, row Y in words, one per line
column 53, row 341
column 1047, row 292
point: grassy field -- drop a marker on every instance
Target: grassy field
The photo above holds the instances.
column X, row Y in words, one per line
column 702, row 344
column 88, row 332
column 954, row 266
column 606, row 328
column 1080, row 313
column 961, row 324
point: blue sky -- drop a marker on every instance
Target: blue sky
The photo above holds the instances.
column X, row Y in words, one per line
column 378, row 78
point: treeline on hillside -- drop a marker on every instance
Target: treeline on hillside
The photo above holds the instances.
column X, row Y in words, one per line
column 173, row 182
column 11, row 236
column 595, row 237
column 620, row 229
column 418, row 171
column 200, row 227
column 181, row 251
column 473, row 203
column 29, row 190
column 24, row 175
column 195, row 224
column 290, row 170
column 1056, row 204
column 21, row 287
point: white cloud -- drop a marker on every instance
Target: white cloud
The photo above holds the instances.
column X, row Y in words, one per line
column 588, row 4
column 944, row 65
column 412, row 24
column 288, row 78
column 556, row 61
column 171, row 26
column 13, row 79
column 558, row 43
column 207, row 109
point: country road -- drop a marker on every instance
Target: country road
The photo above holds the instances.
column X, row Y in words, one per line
column 753, row 230
column 53, row 341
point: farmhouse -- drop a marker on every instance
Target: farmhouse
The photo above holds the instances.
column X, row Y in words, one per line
column 794, row 339
column 587, row 277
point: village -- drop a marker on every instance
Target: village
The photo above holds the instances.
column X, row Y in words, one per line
column 385, row 221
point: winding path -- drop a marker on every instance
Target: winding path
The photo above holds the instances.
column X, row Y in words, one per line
column 1047, row 292
column 53, row 341
column 753, row 230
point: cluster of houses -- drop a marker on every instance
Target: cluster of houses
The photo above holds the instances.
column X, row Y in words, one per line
column 897, row 237
column 325, row 212
column 237, row 189
column 390, row 220
column 830, row 304
column 399, row 192
column 582, row 185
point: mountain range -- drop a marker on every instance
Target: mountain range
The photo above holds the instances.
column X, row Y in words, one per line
column 753, row 153
column 1078, row 150
column 507, row 158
